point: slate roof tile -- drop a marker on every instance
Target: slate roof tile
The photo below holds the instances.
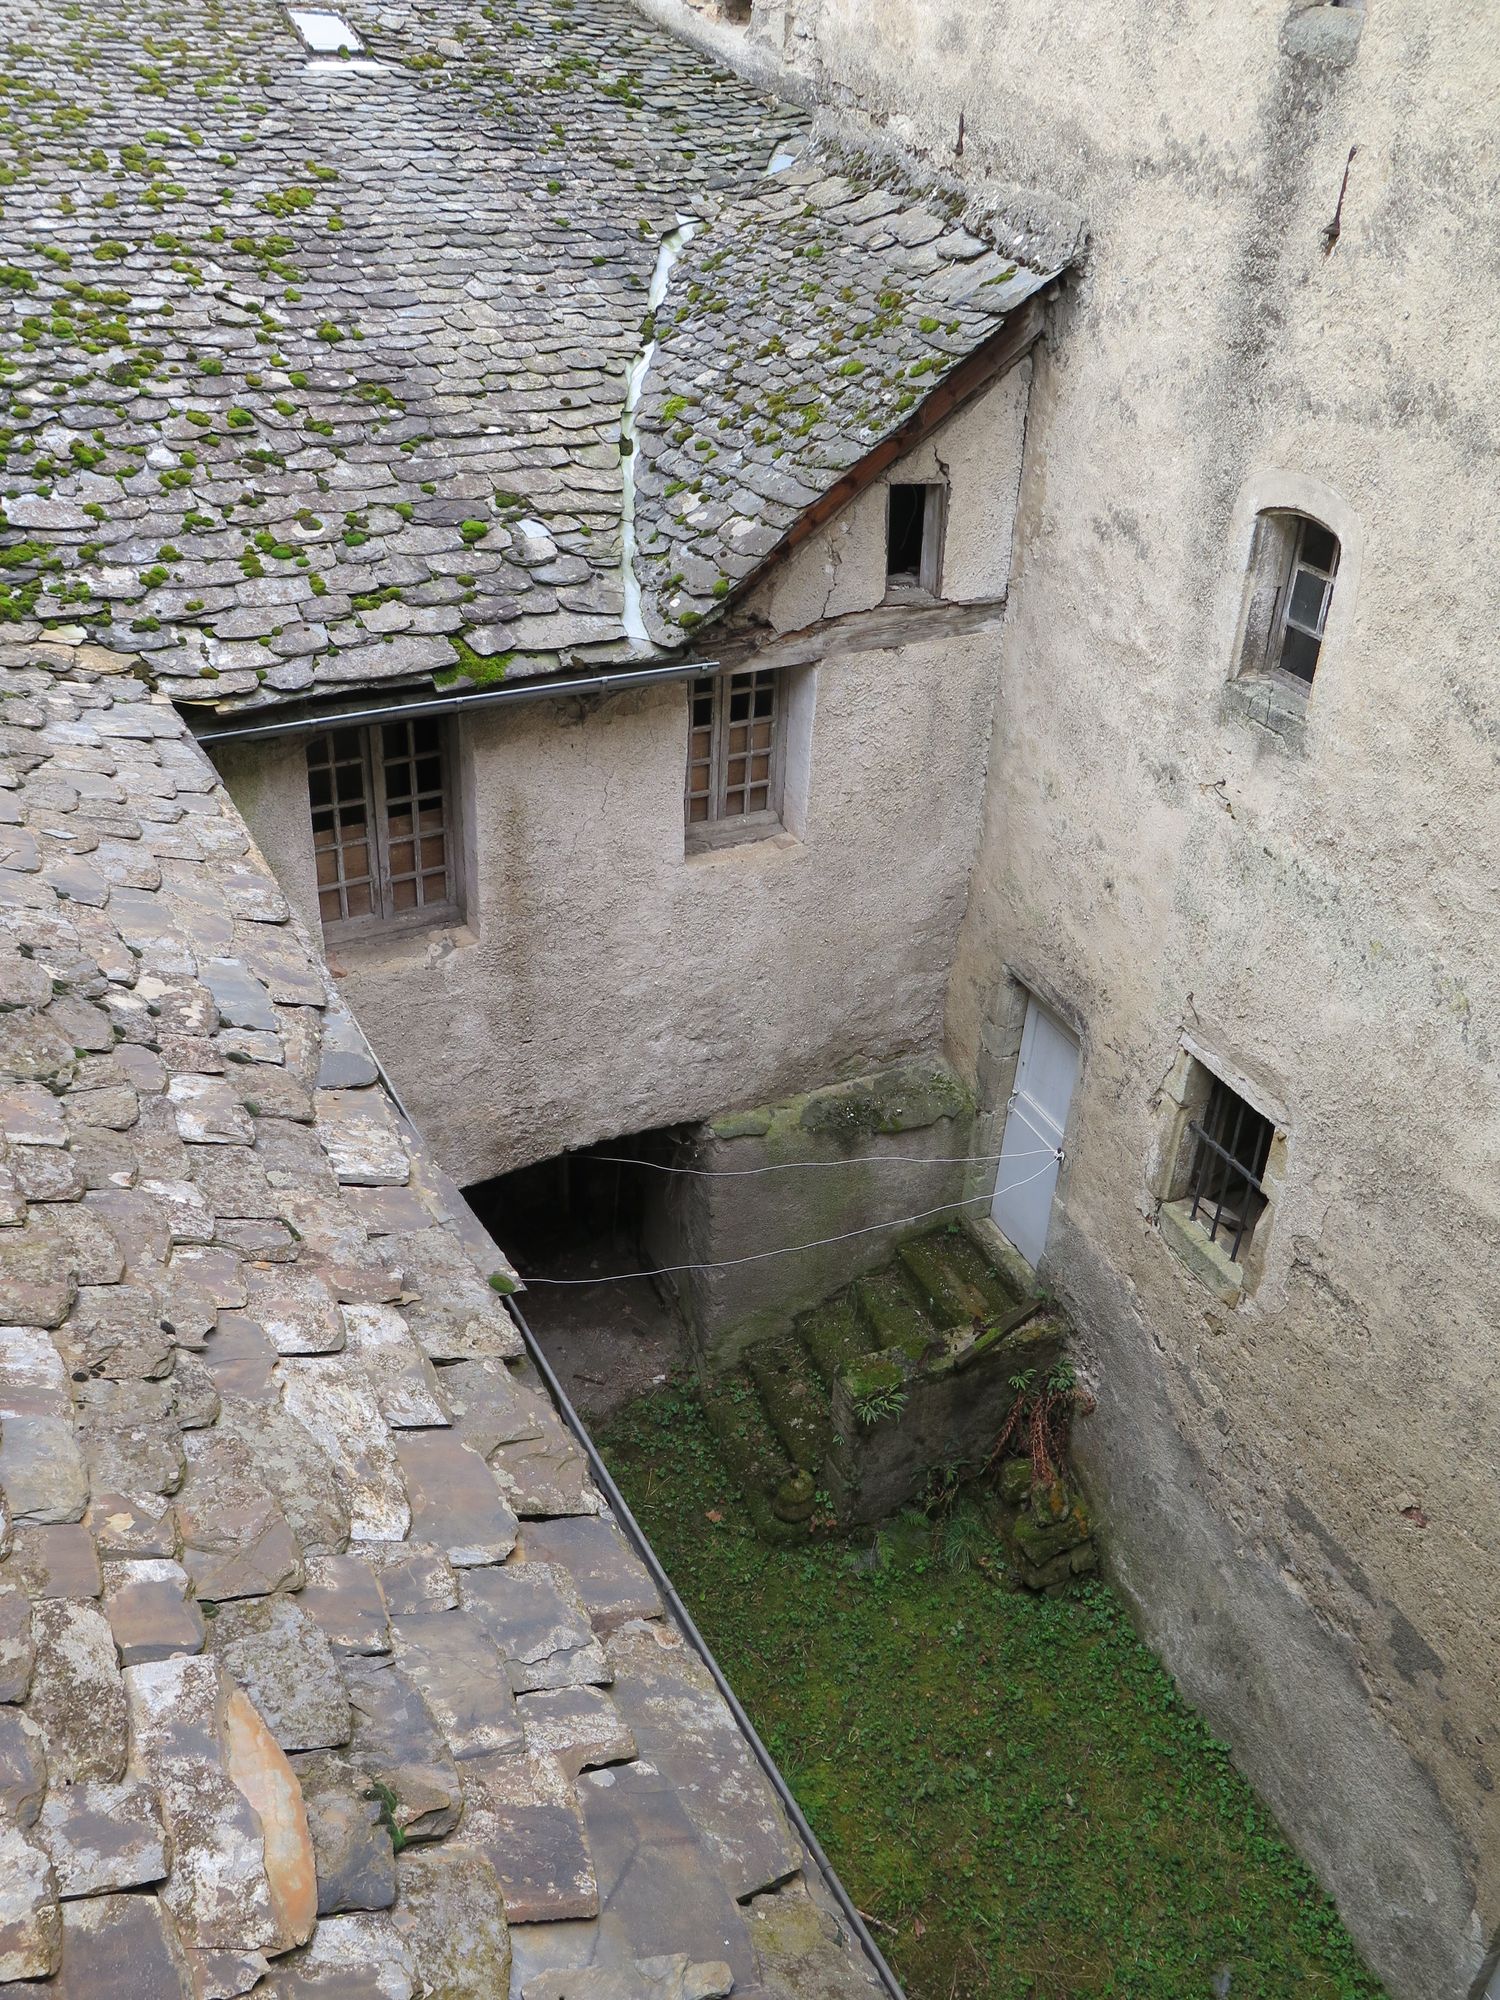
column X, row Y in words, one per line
column 361, row 336
column 264, row 1596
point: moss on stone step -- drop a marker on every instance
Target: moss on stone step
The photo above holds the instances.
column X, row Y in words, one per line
column 774, row 1488
column 1036, row 1344
column 834, row 1335
column 888, row 1306
column 795, row 1399
column 953, row 1279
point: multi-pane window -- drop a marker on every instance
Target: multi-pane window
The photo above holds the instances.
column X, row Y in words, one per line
column 1297, row 635
column 734, row 749
column 382, row 825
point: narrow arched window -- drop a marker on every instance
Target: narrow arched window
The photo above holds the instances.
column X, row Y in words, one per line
column 1294, row 563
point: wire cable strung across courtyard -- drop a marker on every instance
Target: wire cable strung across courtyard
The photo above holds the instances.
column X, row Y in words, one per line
column 788, row 1166
column 790, row 1249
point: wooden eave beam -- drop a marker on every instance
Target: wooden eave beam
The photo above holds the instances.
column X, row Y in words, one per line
column 1011, row 343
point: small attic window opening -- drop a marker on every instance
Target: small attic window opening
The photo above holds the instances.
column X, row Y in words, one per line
column 913, row 538
column 324, row 32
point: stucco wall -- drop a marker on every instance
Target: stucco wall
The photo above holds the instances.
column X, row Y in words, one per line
column 606, row 981
column 1302, row 1490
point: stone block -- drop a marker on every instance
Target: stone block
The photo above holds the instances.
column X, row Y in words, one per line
column 30, row 1921
column 522, row 1815
column 580, row 1726
column 280, row 1656
column 23, row 1767
column 103, row 1838
column 609, row 1576
column 343, row 1593
column 218, row 1891
column 333, row 1401
column 77, row 1696
column 682, row 1724
column 356, row 1860
column 533, row 1614
column 452, row 1918
column 398, row 1744
column 455, row 1502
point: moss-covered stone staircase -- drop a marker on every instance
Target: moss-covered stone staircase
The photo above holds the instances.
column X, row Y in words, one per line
column 792, row 1418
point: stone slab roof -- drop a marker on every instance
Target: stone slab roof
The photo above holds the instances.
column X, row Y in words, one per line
column 324, row 1670
column 314, row 371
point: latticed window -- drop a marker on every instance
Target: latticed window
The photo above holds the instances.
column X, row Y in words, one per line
column 1294, row 567
column 734, row 749
column 382, row 825
column 1305, row 599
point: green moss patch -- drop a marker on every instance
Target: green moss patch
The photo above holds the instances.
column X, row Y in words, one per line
column 1010, row 1782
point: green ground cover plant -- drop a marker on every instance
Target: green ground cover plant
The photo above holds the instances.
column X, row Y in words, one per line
column 1010, row 1786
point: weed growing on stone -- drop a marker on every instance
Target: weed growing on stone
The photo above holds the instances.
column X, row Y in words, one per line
column 1010, row 1782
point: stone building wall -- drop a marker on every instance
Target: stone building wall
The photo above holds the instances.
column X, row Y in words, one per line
column 606, row 981
column 1301, row 1487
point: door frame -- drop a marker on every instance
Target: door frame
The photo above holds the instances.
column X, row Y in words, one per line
column 999, row 1059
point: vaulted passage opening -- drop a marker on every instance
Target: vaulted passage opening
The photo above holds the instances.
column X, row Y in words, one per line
column 568, row 1224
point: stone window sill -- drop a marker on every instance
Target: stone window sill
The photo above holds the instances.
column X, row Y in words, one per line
column 397, row 949
column 1209, row 1262
column 1275, row 703
column 725, row 837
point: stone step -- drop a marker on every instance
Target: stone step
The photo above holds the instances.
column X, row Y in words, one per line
column 887, row 1303
column 954, row 1280
column 834, row 1335
column 778, row 1494
column 795, row 1399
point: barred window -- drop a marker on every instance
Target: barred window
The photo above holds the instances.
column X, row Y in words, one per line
column 383, row 825
column 735, row 732
column 1231, row 1143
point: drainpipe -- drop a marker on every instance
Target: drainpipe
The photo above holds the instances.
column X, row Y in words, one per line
column 455, row 704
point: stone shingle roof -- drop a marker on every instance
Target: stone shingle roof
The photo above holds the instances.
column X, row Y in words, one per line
column 315, row 370
column 324, row 1670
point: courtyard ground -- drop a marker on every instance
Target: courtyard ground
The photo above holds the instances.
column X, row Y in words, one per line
column 1010, row 1787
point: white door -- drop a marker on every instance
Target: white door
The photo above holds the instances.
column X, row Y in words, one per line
column 1034, row 1124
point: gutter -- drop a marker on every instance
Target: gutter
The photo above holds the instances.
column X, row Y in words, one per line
column 455, row 704
column 635, row 1535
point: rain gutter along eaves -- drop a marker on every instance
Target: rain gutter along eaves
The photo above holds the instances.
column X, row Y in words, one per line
column 455, row 704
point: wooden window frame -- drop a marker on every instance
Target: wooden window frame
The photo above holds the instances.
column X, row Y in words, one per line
column 1277, row 560
column 927, row 580
column 386, row 920
column 722, row 827
column 1298, row 565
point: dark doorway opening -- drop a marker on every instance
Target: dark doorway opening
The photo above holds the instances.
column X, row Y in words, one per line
column 576, row 1228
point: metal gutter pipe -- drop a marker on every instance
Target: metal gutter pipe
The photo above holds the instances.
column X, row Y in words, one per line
column 453, row 704
column 620, row 1508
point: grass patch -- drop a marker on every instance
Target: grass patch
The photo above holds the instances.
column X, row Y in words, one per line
column 1012, row 1783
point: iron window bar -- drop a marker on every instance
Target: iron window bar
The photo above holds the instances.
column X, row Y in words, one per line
column 1223, row 1175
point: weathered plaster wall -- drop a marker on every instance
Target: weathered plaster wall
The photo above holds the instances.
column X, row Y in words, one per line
column 1302, row 1490
column 915, row 1118
column 607, row 982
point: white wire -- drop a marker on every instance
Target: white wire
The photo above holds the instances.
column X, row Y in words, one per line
column 786, row 1166
column 790, row 1249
